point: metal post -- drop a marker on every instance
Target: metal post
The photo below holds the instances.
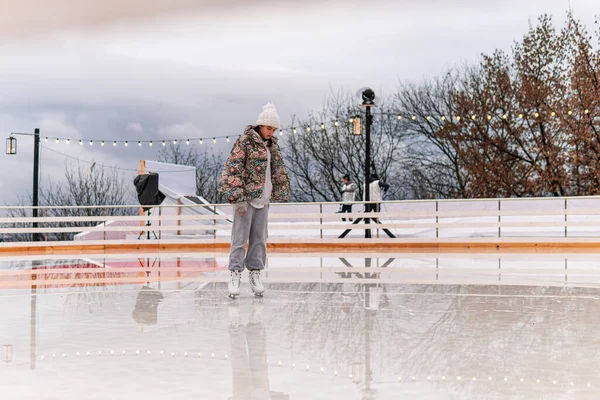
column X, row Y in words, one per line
column 437, row 220
column 321, row 219
column 36, row 171
column 499, row 219
column 368, row 122
column 215, row 222
column 565, row 217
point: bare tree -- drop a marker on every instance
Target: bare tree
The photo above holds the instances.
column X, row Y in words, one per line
column 178, row 154
column 321, row 149
column 435, row 168
column 83, row 186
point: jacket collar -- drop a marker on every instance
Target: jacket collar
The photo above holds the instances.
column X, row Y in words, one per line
column 250, row 131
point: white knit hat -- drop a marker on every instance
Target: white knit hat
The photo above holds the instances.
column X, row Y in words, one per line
column 269, row 117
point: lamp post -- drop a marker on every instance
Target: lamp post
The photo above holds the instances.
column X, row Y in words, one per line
column 368, row 100
column 368, row 97
column 11, row 149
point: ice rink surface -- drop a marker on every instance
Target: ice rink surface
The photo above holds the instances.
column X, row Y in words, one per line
column 330, row 326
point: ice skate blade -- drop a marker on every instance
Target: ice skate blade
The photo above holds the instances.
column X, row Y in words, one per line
column 260, row 295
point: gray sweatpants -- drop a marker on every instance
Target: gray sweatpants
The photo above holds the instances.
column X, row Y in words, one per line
column 252, row 229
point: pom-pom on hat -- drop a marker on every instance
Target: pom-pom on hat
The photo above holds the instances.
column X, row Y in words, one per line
column 269, row 117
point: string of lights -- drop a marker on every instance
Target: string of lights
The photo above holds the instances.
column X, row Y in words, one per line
column 321, row 127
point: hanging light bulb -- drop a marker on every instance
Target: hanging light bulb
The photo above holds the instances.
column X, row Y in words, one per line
column 428, row 118
column 102, row 143
column 295, row 130
column 114, row 144
column 570, row 112
column 399, row 117
column 57, row 140
column 126, row 144
column 175, row 141
column 336, row 123
column 91, row 142
column 350, row 120
column 164, row 143
column 520, row 116
column 201, row 141
column 280, row 133
column 473, row 117
column 139, row 143
column 187, row 141
column 322, row 126
column 308, row 129
column 413, row 117
column 68, row 141
column 214, row 140
column 553, row 114
column 586, row 111
column 443, row 117
column 458, row 117
column 537, row 115
column 489, row 117
column 504, row 116
column 80, row 142
column 46, row 140
column 150, row 144
column 227, row 138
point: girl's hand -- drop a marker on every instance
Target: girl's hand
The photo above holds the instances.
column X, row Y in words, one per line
column 241, row 208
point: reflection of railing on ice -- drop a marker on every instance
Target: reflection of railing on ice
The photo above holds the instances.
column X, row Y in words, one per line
column 549, row 269
column 84, row 275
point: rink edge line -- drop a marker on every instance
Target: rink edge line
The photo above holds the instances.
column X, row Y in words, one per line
column 313, row 245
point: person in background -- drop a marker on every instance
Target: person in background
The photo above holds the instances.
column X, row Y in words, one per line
column 348, row 195
column 377, row 191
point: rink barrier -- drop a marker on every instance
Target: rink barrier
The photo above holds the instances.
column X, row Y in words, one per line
column 473, row 224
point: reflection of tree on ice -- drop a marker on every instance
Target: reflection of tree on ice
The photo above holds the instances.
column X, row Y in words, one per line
column 250, row 375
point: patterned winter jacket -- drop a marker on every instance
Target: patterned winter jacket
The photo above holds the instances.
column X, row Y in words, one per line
column 244, row 175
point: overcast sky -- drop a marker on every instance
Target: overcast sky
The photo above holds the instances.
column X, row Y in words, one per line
column 206, row 71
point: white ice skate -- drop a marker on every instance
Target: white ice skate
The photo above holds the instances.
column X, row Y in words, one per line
column 234, row 284
column 257, row 287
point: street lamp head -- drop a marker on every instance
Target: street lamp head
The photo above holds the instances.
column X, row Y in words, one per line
column 368, row 97
column 356, row 126
column 11, row 145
